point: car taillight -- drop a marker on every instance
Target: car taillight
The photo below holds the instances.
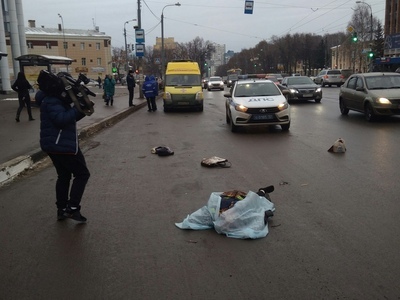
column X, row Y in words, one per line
column 325, row 76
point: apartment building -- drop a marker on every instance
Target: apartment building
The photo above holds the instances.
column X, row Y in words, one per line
column 90, row 50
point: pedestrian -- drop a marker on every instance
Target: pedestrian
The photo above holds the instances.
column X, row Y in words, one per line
column 109, row 89
column 99, row 81
column 160, row 83
column 58, row 138
column 150, row 91
column 130, row 81
column 22, row 87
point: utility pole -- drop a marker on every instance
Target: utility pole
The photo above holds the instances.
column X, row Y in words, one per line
column 140, row 67
column 126, row 48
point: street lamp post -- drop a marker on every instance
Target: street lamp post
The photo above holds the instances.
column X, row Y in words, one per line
column 62, row 22
column 126, row 50
column 162, row 38
column 64, row 43
column 371, row 19
column 370, row 67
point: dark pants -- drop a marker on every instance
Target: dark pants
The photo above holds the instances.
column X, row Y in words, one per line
column 109, row 99
column 151, row 103
column 66, row 166
column 24, row 99
column 131, row 92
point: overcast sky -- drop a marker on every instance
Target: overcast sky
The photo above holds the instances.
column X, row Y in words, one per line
column 219, row 21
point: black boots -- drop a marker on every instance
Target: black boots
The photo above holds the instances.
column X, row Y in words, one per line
column 30, row 118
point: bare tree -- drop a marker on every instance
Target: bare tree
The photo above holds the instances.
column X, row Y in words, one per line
column 363, row 22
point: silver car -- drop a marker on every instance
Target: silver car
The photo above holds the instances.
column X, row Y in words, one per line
column 329, row 78
column 215, row 82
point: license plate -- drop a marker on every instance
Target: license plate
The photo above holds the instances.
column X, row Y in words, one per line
column 183, row 103
column 263, row 117
column 307, row 95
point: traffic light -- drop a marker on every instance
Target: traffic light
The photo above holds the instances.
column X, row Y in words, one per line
column 354, row 37
column 114, row 70
column 205, row 64
column 371, row 54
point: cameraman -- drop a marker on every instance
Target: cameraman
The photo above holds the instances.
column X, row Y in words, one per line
column 58, row 138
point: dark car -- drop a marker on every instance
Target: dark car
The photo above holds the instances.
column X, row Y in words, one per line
column 302, row 88
column 374, row 94
column 277, row 75
column 273, row 78
column 231, row 79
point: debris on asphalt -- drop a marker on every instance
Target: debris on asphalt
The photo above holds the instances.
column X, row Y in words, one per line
column 236, row 214
column 339, row 146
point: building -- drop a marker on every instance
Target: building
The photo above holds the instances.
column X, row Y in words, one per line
column 217, row 58
column 392, row 28
column 169, row 44
column 228, row 55
column 391, row 59
column 351, row 56
column 90, row 50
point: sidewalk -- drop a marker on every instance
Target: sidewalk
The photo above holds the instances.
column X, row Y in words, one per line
column 19, row 142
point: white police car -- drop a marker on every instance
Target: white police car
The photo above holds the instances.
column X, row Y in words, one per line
column 254, row 102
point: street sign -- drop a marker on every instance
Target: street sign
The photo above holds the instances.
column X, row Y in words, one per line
column 139, row 50
column 366, row 50
column 350, row 29
column 139, row 34
column 248, row 6
column 157, row 61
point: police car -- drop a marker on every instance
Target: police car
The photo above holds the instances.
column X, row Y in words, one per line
column 255, row 102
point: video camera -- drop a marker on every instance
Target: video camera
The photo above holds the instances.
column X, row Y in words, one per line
column 68, row 89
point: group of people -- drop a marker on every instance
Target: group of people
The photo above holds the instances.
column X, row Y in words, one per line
column 58, row 131
column 149, row 89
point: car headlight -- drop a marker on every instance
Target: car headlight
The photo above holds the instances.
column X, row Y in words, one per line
column 383, row 101
column 167, row 96
column 240, row 107
column 199, row 96
column 293, row 91
column 318, row 90
column 283, row 106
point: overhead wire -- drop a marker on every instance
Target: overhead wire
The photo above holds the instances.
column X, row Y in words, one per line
column 314, row 10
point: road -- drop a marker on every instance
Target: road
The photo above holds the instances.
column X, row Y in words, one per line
column 334, row 234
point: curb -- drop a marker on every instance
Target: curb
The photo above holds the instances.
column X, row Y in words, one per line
column 92, row 129
column 13, row 168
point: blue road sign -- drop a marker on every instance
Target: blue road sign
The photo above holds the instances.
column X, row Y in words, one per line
column 139, row 50
column 248, row 6
column 139, row 34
